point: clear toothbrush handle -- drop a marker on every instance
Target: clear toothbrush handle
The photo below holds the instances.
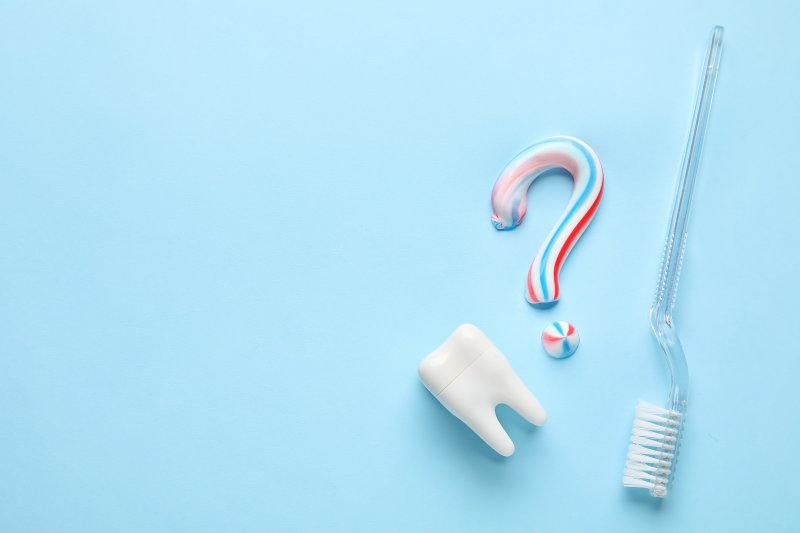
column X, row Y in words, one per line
column 657, row 432
column 676, row 237
column 667, row 291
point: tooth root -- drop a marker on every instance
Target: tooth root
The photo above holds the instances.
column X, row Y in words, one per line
column 488, row 427
column 522, row 400
column 477, row 410
column 470, row 377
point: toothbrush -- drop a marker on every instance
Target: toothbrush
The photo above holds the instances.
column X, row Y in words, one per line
column 657, row 431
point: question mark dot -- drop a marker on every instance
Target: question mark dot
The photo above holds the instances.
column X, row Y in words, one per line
column 560, row 339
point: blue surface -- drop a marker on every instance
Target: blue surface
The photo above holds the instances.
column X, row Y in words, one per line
column 230, row 232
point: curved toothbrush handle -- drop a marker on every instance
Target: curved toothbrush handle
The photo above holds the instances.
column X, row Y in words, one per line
column 667, row 290
column 657, row 432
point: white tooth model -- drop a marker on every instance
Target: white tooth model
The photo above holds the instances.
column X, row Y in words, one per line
column 471, row 377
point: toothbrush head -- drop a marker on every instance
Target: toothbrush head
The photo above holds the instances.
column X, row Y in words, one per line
column 653, row 450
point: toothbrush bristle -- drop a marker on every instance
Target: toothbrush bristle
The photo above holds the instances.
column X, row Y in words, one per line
column 653, row 448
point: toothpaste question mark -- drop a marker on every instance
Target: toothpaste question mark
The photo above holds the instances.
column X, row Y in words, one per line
column 509, row 204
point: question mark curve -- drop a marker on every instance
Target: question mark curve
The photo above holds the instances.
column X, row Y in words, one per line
column 510, row 203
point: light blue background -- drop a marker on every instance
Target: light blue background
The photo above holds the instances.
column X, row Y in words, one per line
column 231, row 230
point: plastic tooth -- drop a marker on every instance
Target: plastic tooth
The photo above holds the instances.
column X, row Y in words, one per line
column 470, row 377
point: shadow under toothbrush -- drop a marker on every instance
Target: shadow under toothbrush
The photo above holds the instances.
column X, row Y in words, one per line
column 644, row 499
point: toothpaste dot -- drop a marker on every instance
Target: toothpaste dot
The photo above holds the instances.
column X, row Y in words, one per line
column 560, row 339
